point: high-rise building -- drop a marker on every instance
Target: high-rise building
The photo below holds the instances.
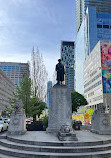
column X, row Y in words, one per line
column 97, row 27
column 81, row 7
column 97, row 75
column 101, row 5
column 15, row 71
column 49, row 86
column 93, row 25
column 79, row 13
column 68, row 60
column 6, row 91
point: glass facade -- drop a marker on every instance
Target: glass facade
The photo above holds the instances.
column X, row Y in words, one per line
column 81, row 7
column 49, row 86
column 68, row 60
column 101, row 5
column 15, row 71
column 80, row 57
column 98, row 27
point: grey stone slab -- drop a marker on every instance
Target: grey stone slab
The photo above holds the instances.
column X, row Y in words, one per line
column 85, row 138
column 59, row 149
column 29, row 154
column 55, row 149
column 60, row 108
column 17, row 125
column 7, row 156
column 101, row 121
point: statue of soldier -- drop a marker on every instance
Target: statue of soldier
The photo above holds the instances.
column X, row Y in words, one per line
column 60, row 72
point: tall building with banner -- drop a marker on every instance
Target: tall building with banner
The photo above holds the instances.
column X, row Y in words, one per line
column 97, row 75
column 93, row 23
column 15, row 71
column 68, row 60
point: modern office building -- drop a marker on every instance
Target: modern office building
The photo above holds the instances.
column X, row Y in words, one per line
column 95, row 26
column 97, row 75
column 6, row 90
column 81, row 7
column 68, row 60
column 15, row 71
column 49, row 86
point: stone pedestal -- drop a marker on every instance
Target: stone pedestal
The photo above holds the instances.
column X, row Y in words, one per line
column 66, row 133
column 60, row 108
column 17, row 124
column 101, row 121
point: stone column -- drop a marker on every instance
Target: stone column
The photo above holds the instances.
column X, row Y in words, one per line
column 60, row 108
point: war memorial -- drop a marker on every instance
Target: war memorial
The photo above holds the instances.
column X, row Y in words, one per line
column 60, row 140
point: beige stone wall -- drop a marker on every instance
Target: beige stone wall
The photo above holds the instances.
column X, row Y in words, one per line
column 93, row 78
column 6, row 90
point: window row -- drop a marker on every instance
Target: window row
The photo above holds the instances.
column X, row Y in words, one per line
column 96, row 98
column 104, row 26
column 95, row 78
column 93, row 86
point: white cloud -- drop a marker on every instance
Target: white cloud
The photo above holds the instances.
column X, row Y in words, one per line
column 23, row 58
column 50, row 64
column 24, row 23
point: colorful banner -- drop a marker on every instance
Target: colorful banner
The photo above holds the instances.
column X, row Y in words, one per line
column 106, row 66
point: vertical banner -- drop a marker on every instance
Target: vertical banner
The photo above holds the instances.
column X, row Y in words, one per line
column 106, row 66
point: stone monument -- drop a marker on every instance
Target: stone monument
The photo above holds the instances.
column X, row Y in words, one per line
column 101, row 121
column 17, row 124
column 60, row 108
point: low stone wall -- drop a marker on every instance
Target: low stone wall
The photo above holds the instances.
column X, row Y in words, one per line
column 85, row 127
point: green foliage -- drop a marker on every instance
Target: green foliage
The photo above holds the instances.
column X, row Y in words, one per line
column 10, row 109
column 77, row 100
column 45, row 122
column 90, row 112
column 36, row 107
column 31, row 104
column 24, row 93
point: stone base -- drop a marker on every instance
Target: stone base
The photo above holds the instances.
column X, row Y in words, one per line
column 66, row 133
column 52, row 130
column 67, row 137
column 101, row 132
column 101, row 123
column 16, row 132
column 17, row 124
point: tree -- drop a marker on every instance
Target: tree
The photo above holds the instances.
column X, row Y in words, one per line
column 23, row 93
column 77, row 100
column 10, row 109
column 38, row 75
column 30, row 103
column 36, row 107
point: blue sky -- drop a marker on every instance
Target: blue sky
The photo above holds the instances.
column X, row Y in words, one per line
column 38, row 23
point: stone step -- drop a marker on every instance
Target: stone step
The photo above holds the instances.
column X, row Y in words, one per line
column 55, row 149
column 61, row 143
column 7, row 156
column 31, row 154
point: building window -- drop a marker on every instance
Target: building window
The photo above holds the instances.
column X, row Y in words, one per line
column 99, row 26
column 106, row 26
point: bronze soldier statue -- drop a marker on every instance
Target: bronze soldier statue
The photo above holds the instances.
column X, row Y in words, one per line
column 60, row 72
